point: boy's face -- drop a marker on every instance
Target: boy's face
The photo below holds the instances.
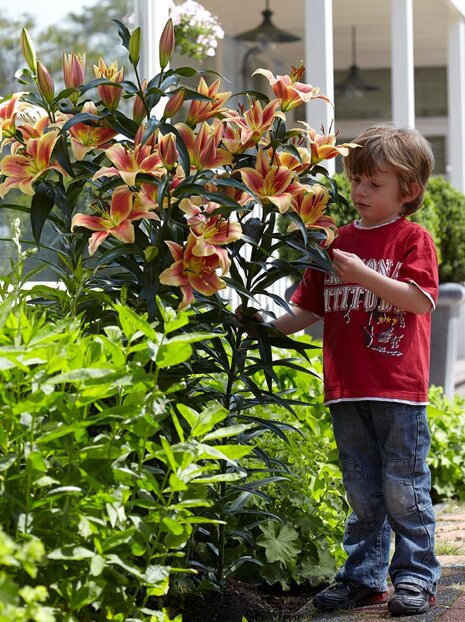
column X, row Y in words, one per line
column 378, row 198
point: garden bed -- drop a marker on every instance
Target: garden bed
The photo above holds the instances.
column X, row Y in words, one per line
column 239, row 599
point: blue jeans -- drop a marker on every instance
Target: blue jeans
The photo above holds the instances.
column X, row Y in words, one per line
column 382, row 449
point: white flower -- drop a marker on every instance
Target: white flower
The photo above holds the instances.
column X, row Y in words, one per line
column 196, row 30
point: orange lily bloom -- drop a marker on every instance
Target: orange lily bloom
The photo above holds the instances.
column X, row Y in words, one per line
column 33, row 128
column 130, row 161
column 288, row 88
column 310, row 203
column 109, row 94
column 203, row 148
column 323, row 146
column 294, row 164
column 192, row 272
column 23, row 168
column 256, row 121
column 9, row 109
column 271, row 184
column 87, row 136
column 210, row 231
column 201, row 110
column 116, row 222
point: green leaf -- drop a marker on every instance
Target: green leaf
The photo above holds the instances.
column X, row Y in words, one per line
column 281, row 543
column 41, row 206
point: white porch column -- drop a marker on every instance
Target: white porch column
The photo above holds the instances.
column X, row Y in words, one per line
column 319, row 64
column 456, row 101
column 151, row 16
column 402, row 77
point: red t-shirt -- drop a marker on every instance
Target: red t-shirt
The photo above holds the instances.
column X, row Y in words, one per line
column 372, row 350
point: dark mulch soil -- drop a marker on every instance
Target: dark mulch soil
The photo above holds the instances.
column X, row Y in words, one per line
column 238, row 599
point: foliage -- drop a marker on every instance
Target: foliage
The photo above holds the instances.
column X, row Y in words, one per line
column 197, row 30
column 304, row 544
column 447, row 455
column 101, row 471
column 21, row 602
column 449, row 205
column 296, row 498
column 169, row 215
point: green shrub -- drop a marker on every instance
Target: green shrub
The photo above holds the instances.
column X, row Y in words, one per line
column 449, row 205
column 106, row 472
column 447, row 455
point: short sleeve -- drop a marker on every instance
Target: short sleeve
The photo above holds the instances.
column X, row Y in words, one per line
column 309, row 292
column 420, row 264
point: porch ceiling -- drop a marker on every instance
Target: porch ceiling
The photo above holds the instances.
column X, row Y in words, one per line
column 372, row 20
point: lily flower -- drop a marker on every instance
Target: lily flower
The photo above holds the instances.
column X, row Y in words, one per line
column 9, row 110
column 109, row 93
column 130, row 161
column 203, row 148
column 293, row 163
column 288, row 88
column 310, row 203
column 88, row 136
column 116, row 222
column 192, row 272
column 256, row 121
column 323, row 146
column 23, row 168
column 210, row 231
column 271, row 184
column 202, row 110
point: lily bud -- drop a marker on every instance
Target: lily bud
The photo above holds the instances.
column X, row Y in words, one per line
column 134, row 46
column 138, row 109
column 174, row 103
column 28, row 50
column 167, row 43
column 74, row 68
column 45, row 83
column 167, row 151
column 150, row 253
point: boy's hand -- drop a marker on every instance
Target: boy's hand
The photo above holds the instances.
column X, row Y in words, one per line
column 252, row 317
column 348, row 267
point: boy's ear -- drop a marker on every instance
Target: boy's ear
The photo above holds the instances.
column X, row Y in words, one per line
column 414, row 191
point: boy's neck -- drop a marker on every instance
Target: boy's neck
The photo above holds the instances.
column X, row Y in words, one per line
column 360, row 225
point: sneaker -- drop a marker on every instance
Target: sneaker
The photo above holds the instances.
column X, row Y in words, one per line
column 410, row 599
column 348, row 594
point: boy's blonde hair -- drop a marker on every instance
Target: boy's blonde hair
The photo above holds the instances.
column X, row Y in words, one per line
column 405, row 151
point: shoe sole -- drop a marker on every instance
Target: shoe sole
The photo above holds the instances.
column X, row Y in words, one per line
column 397, row 608
column 363, row 601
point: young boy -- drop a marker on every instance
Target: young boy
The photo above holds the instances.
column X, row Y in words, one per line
column 376, row 310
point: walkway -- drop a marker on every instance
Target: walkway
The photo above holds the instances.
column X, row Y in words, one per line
column 450, row 605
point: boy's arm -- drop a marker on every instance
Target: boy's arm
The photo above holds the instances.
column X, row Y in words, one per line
column 406, row 296
column 286, row 323
column 289, row 324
